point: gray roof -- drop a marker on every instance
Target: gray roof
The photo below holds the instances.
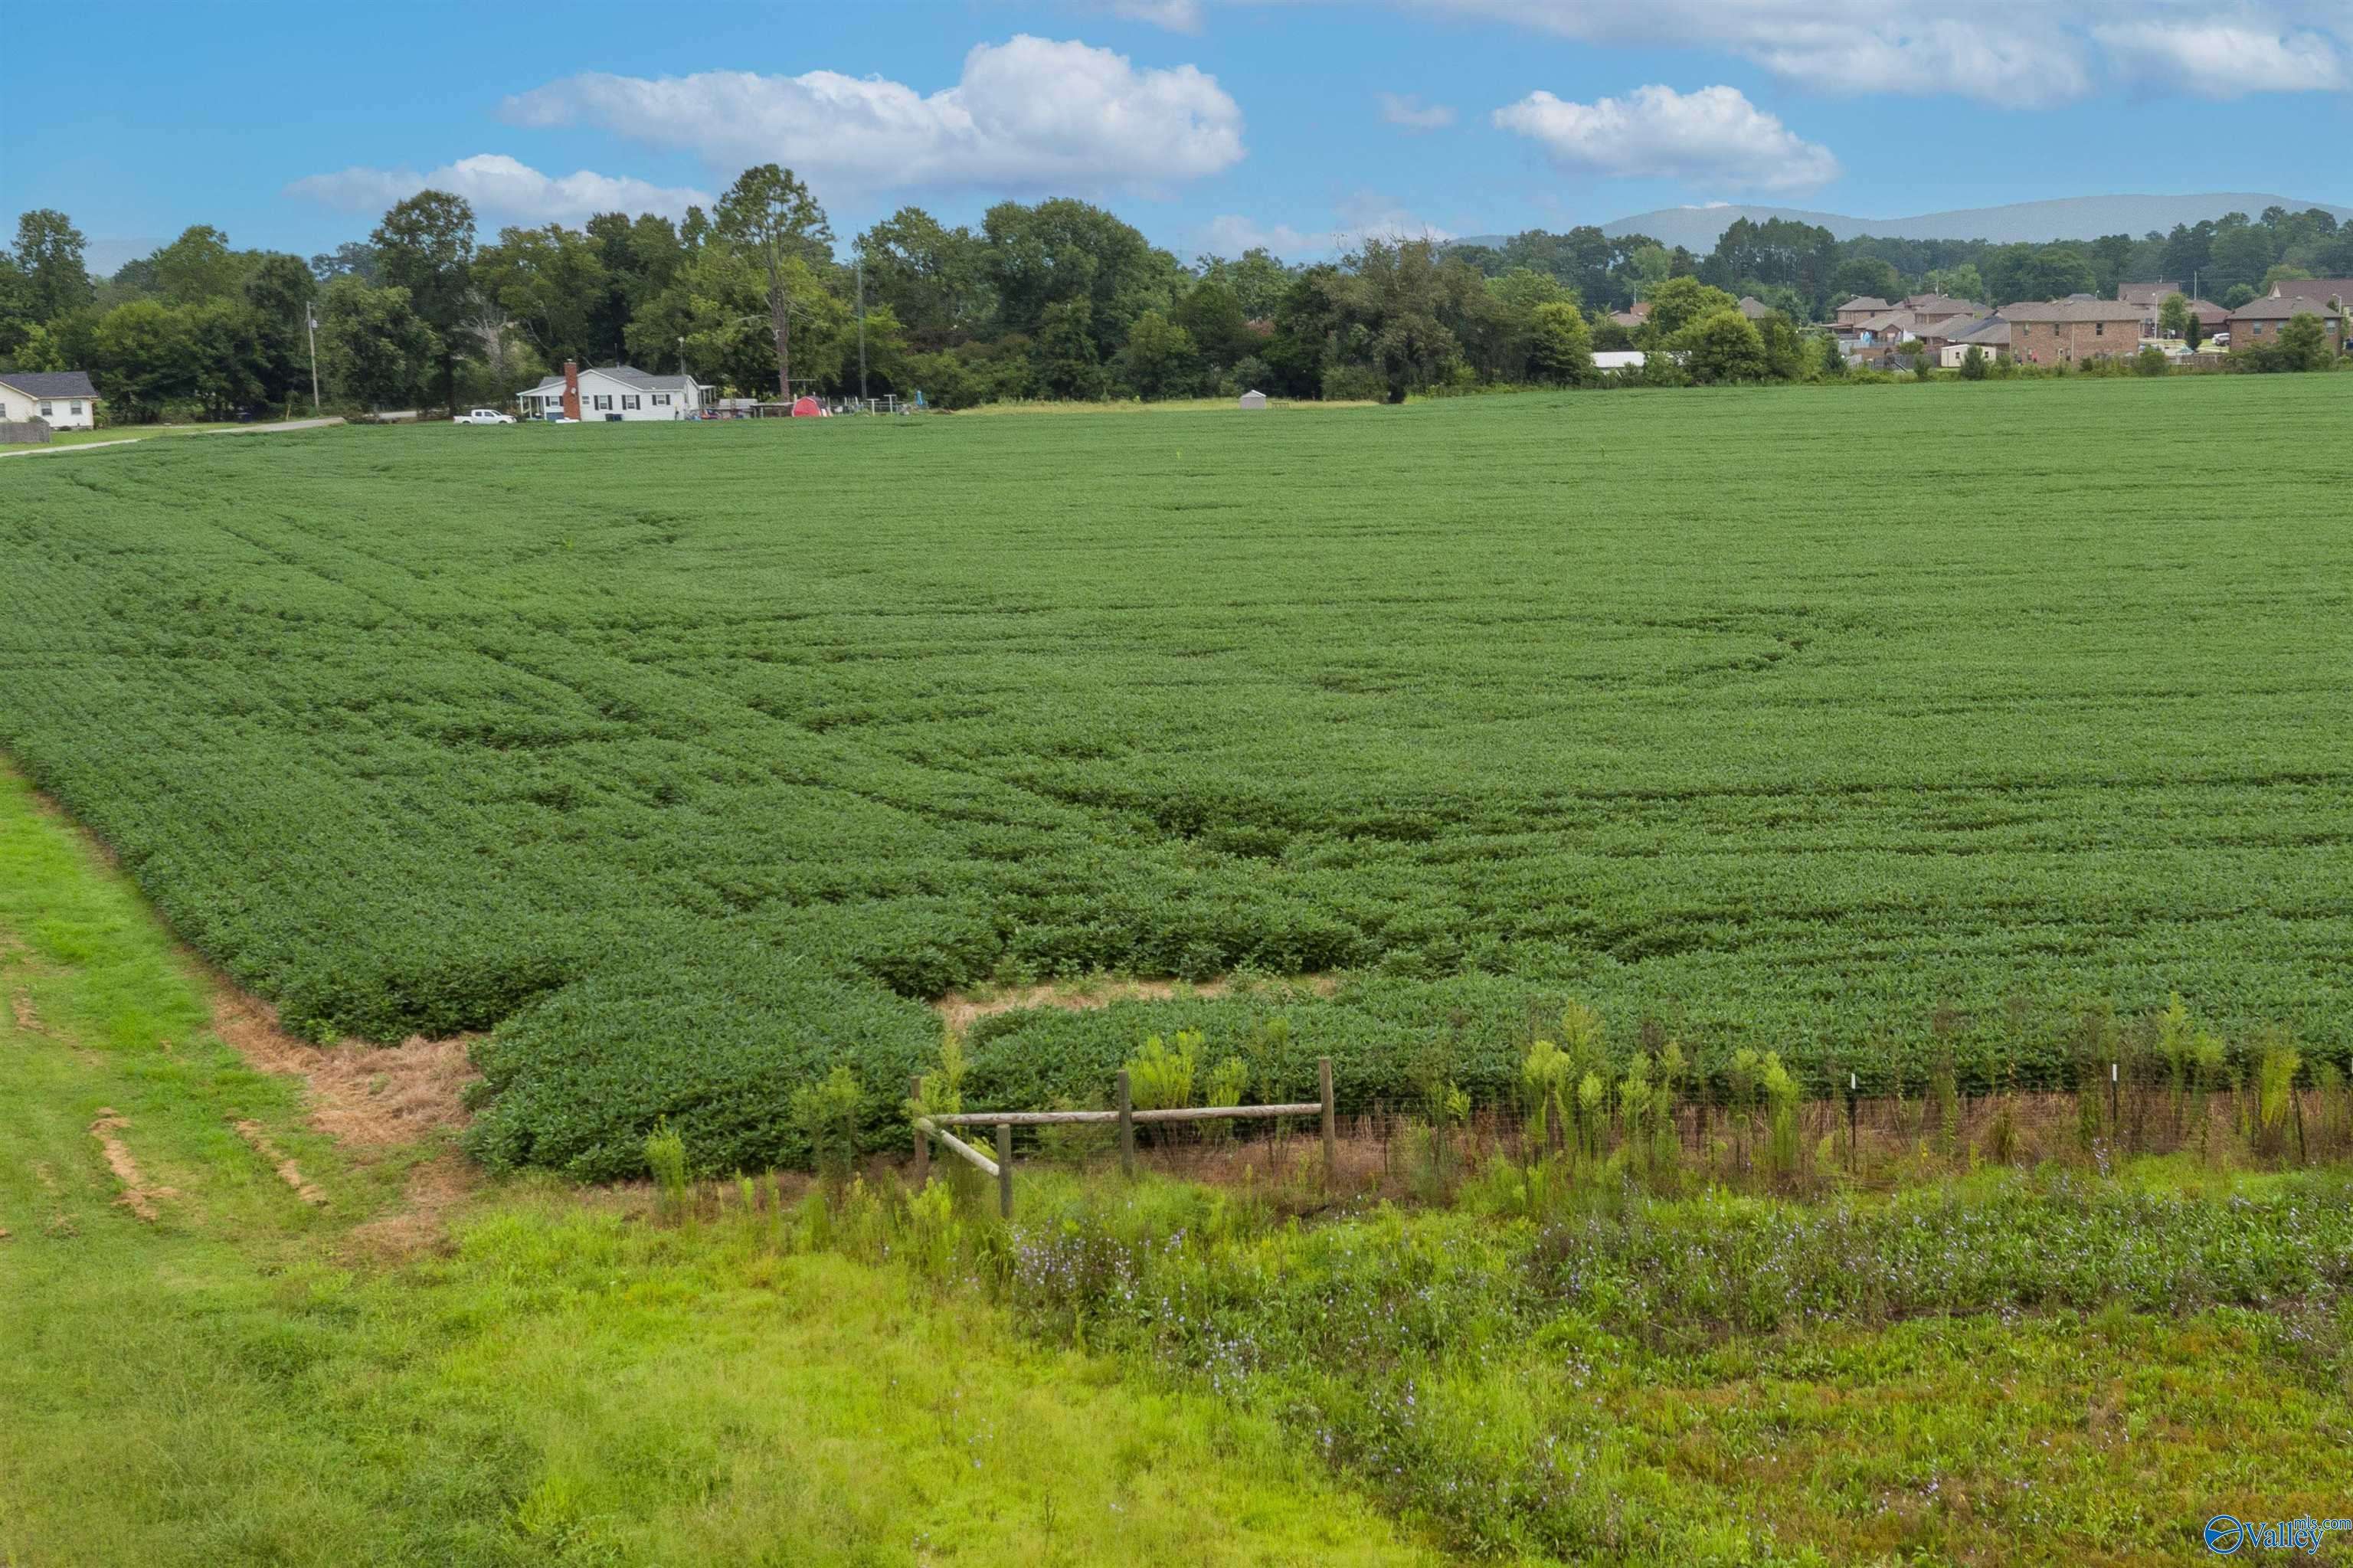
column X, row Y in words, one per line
column 1986, row 331
column 1943, row 306
column 50, row 383
column 2151, row 294
column 627, row 373
column 1865, row 302
column 1754, row 309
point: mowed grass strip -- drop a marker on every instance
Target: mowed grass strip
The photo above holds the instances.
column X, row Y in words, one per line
column 696, row 759
column 235, row 1382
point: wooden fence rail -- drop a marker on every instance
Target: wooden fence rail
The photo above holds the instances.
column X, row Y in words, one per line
column 928, row 1127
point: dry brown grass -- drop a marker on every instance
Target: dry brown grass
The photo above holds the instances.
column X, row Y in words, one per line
column 959, row 1009
column 259, row 1139
column 137, row 1195
column 363, row 1096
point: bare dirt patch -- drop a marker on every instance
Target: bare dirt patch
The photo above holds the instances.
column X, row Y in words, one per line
column 258, row 1139
column 959, row 1009
column 422, row 1224
column 20, row 1007
column 366, row 1096
column 137, row 1195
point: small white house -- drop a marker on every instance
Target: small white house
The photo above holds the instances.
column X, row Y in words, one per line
column 1610, row 361
column 63, row 397
column 620, row 392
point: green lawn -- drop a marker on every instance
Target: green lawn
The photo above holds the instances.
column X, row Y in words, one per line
column 236, row 1383
column 1838, row 721
column 134, row 433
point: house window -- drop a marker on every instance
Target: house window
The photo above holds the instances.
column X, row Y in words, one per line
column 77, row 408
column 46, row 410
column 661, row 400
column 630, row 400
column 604, row 403
column 2099, row 329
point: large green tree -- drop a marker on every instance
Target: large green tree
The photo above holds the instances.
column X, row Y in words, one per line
column 374, row 345
column 50, row 255
column 1560, row 348
column 769, row 214
column 425, row 247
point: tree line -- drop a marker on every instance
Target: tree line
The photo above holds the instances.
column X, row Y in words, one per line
column 1060, row 298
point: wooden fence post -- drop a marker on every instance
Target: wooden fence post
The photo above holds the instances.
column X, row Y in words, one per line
column 1854, row 1093
column 1331, row 1128
column 1126, row 1127
column 1005, row 1168
column 922, row 1138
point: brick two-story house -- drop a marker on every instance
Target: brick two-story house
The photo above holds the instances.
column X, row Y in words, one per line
column 2063, row 331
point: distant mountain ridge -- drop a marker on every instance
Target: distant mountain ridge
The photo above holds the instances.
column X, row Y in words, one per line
column 2071, row 217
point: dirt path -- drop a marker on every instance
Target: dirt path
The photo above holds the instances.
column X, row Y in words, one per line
column 271, row 429
column 960, row 1010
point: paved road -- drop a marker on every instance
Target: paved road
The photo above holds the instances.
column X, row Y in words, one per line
column 129, row 440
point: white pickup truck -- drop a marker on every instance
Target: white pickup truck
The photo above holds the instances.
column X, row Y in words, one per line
column 483, row 417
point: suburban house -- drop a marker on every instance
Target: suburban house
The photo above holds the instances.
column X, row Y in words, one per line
column 2061, row 332
column 1859, row 308
column 2212, row 318
column 2258, row 321
column 1989, row 334
column 1754, row 309
column 1932, row 313
column 63, row 397
column 1889, row 326
column 1631, row 319
column 620, row 392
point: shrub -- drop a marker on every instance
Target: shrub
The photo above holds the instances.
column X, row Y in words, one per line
column 2151, row 361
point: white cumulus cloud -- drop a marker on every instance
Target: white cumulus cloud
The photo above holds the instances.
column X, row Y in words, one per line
column 2224, row 59
column 2017, row 53
column 1364, row 216
column 499, row 187
column 1408, row 111
column 1176, row 15
column 1715, row 135
column 1028, row 112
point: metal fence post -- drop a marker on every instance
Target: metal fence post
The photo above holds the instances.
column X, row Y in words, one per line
column 1005, row 1168
column 1331, row 1127
column 923, row 1140
column 1126, row 1127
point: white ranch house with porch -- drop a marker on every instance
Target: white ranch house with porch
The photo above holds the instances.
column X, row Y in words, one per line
column 620, row 392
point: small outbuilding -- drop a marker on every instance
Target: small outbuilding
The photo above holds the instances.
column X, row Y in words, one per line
column 1250, row 399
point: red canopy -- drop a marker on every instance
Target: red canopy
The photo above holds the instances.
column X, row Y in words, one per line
column 805, row 408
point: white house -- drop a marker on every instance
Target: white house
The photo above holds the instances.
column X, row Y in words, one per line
column 620, row 392
column 64, row 397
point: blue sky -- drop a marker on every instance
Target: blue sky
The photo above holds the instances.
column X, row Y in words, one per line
column 1207, row 122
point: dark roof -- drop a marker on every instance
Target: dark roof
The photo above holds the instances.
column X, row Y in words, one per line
column 2148, row 293
column 1943, row 306
column 1987, row 332
column 2072, row 310
column 50, row 383
column 1865, row 302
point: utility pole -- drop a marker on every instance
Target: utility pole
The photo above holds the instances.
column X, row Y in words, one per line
column 861, row 329
column 311, row 318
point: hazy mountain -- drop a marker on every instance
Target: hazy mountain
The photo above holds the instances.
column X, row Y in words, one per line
column 2073, row 218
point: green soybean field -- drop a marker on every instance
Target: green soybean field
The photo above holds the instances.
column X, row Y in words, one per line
column 690, row 761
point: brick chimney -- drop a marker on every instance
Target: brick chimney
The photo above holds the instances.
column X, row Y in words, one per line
column 571, row 390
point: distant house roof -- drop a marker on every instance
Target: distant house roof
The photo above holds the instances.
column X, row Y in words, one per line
column 1986, row 331
column 2279, row 307
column 2074, row 308
column 1865, row 302
column 1888, row 320
column 2337, row 289
column 1754, row 309
column 50, row 383
column 1943, row 306
column 2146, row 293
column 625, row 372
column 2207, row 311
